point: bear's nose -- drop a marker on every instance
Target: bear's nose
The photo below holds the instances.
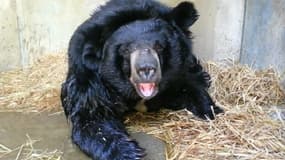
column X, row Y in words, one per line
column 146, row 72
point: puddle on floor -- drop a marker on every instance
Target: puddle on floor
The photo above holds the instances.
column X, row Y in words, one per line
column 52, row 134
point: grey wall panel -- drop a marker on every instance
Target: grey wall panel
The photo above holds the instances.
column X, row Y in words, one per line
column 264, row 34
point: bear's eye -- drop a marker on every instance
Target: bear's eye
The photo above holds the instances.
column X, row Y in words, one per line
column 124, row 50
column 126, row 69
column 122, row 61
column 158, row 47
column 123, row 65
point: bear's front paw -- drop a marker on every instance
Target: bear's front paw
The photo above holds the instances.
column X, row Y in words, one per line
column 214, row 111
column 127, row 149
column 208, row 112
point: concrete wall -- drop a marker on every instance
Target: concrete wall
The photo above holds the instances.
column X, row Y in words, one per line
column 228, row 29
column 31, row 28
column 43, row 27
column 9, row 40
column 46, row 26
column 219, row 28
column 218, row 31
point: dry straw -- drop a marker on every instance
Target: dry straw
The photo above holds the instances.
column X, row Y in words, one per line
column 246, row 130
column 35, row 88
column 27, row 151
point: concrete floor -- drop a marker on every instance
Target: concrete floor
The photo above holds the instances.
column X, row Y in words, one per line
column 53, row 133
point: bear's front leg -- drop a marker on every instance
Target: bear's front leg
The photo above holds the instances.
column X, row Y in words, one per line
column 194, row 98
column 195, row 91
column 105, row 139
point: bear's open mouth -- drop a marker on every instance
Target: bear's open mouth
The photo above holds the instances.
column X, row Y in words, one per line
column 146, row 89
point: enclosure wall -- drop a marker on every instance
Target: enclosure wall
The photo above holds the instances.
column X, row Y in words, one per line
column 31, row 28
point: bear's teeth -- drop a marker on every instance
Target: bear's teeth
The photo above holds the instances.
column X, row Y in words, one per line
column 147, row 89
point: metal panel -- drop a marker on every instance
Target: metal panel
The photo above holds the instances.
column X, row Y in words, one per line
column 264, row 34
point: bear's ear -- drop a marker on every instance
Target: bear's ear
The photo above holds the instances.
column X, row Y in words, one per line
column 184, row 14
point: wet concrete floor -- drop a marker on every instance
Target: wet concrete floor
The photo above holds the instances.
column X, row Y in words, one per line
column 53, row 133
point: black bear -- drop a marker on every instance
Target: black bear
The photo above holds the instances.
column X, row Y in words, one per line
column 129, row 53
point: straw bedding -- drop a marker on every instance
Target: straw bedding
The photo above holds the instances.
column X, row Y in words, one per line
column 246, row 130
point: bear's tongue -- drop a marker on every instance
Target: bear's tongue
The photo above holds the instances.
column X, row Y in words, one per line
column 146, row 88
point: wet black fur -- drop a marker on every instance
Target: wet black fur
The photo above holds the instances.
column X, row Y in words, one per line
column 97, row 92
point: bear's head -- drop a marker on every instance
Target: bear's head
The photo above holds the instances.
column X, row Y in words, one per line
column 140, row 56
